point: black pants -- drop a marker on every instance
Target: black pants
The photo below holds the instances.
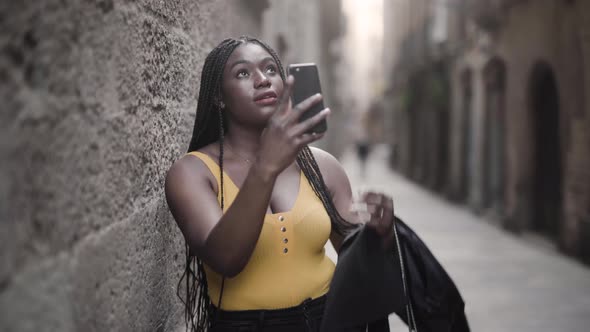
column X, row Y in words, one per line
column 306, row 317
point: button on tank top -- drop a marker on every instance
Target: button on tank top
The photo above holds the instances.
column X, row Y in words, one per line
column 289, row 263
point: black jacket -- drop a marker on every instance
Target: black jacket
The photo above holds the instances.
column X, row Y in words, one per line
column 367, row 286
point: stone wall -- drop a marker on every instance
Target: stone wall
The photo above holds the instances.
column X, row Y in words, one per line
column 98, row 101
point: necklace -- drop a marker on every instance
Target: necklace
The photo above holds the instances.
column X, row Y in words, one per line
column 247, row 160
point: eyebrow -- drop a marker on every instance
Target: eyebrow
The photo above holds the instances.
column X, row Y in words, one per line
column 246, row 61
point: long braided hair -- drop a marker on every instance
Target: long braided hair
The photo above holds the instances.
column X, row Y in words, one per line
column 210, row 127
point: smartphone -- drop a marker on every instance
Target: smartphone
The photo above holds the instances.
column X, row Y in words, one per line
column 307, row 83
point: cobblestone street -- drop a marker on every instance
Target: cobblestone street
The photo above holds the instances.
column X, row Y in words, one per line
column 509, row 283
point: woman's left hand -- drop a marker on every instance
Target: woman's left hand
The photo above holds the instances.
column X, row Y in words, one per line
column 381, row 215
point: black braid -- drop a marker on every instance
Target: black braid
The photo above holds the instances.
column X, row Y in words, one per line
column 220, row 160
column 310, row 168
column 206, row 131
column 197, row 302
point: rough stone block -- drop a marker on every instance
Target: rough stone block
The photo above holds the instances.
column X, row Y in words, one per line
column 38, row 298
column 126, row 276
column 98, row 102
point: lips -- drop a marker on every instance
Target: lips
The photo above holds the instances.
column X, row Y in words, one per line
column 267, row 98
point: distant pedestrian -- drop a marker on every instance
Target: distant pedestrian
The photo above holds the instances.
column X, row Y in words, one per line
column 363, row 148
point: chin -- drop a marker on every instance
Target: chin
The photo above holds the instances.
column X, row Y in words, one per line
column 268, row 111
column 258, row 118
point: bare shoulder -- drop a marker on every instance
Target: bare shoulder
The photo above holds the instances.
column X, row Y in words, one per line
column 189, row 171
column 191, row 194
column 324, row 158
column 331, row 169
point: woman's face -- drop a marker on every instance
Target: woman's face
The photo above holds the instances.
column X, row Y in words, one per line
column 251, row 85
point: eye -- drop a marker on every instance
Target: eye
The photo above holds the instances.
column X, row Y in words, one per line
column 242, row 73
column 271, row 69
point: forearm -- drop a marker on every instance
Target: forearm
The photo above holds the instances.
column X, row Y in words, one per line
column 233, row 239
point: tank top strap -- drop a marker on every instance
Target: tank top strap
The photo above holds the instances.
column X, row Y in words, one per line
column 229, row 191
column 209, row 162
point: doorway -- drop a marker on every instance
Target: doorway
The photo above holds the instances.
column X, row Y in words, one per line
column 547, row 168
column 466, row 137
column 494, row 161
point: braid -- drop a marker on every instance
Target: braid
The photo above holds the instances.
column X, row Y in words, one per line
column 310, row 168
column 205, row 131
column 220, row 160
column 197, row 301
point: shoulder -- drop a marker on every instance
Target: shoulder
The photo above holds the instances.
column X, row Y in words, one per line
column 189, row 171
column 331, row 169
column 324, row 158
column 190, row 165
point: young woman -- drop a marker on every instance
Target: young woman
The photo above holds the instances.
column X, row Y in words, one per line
column 255, row 204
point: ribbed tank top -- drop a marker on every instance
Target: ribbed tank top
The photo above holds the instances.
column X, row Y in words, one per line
column 289, row 263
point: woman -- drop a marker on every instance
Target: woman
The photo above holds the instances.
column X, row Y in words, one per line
column 255, row 204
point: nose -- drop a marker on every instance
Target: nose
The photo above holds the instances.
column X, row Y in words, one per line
column 261, row 81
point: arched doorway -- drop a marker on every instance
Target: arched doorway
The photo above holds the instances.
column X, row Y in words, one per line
column 440, row 91
column 547, row 176
column 494, row 161
column 466, row 139
column 415, row 108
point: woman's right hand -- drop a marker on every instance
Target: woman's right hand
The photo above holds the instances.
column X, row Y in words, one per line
column 284, row 136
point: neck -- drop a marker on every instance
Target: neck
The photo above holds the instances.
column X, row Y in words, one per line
column 243, row 140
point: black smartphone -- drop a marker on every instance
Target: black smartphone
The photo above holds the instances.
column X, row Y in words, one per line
column 307, row 83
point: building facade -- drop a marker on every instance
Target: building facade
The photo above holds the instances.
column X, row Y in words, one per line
column 517, row 141
column 417, row 94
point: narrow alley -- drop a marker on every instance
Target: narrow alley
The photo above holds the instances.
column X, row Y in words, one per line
column 509, row 283
column 478, row 112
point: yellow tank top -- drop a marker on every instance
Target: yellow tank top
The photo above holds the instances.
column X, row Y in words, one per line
column 289, row 263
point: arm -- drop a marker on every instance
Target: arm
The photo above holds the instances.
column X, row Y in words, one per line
column 379, row 206
column 339, row 189
column 223, row 241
